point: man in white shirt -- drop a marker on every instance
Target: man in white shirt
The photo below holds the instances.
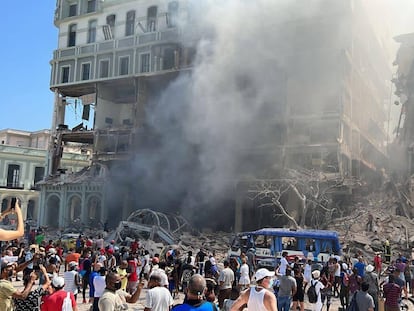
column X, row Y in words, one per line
column 226, row 280
column 283, row 264
column 318, row 287
column 71, row 277
column 99, row 285
column 158, row 298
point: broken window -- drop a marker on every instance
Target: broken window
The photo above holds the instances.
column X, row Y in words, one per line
column 104, row 69
column 130, row 23
column 92, row 31
column 13, row 176
column 124, row 66
column 72, row 35
column 152, row 18
column 172, row 15
column 145, row 62
column 168, row 59
column 65, row 75
column 86, row 70
column 109, row 30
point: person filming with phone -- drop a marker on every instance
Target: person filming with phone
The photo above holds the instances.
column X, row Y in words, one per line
column 8, row 235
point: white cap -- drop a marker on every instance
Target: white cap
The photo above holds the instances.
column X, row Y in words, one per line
column 369, row 268
column 344, row 266
column 316, row 274
column 262, row 273
column 73, row 264
column 58, row 281
column 51, row 251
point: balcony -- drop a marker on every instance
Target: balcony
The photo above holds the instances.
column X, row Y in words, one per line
column 11, row 185
column 167, row 35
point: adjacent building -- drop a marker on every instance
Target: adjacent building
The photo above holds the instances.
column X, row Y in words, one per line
column 23, row 158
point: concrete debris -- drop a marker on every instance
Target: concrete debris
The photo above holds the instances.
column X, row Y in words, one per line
column 371, row 223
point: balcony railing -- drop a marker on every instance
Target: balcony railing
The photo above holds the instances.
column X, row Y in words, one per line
column 12, row 186
column 172, row 34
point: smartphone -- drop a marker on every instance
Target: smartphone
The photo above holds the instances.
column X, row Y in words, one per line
column 13, row 203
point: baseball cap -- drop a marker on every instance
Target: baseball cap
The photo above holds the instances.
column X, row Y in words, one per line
column 58, row 282
column 73, row 264
column 369, row 268
column 316, row 274
column 262, row 273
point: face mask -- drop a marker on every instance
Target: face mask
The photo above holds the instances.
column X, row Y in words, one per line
column 117, row 285
column 271, row 281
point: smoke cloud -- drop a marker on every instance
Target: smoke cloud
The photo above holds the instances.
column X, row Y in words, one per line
column 220, row 122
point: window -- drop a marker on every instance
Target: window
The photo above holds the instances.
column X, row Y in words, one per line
column 130, row 23
column 86, row 70
column 72, row 35
column 172, row 16
column 73, row 8
column 168, row 59
column 110, row 21
column 152, row 18
column 92, row 31
column 39, row 174
column 124, row 66
column 13, row 176
column 104, row 69
column 91, row 6
column 145, row 62
column 65, row 74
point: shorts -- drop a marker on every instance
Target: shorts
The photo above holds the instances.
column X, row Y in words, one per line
column 299, row 297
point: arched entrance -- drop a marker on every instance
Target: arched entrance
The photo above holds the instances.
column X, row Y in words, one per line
column 74, row 209
column 52, row 211
column 94, row 208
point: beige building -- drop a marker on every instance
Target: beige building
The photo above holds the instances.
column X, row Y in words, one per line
column 23, row 157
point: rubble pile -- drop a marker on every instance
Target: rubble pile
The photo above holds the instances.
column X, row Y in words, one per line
column 374, row 220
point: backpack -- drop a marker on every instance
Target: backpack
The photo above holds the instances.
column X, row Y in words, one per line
column 312, row 296
column 67, row 303
column 353, row 305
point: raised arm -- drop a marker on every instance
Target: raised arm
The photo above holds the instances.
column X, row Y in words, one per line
column 8, row 235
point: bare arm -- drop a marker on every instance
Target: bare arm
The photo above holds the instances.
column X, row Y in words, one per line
column 23, row 295
column 269, row 301
column 241, row 300
column 7, row 235
column 134, row 297
column 46, row 285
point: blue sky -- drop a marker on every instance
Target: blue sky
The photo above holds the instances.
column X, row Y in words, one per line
column 28, row 40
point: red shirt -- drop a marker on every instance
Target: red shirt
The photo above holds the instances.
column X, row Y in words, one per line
column 392, row 293
column 132, row 265
column 134, row 246
column 378, row 263
column 54, row 301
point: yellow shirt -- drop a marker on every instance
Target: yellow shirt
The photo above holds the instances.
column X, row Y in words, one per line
column 6, row 292
column 124, row 280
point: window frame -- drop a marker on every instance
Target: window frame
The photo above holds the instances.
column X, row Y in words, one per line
column 122, row 65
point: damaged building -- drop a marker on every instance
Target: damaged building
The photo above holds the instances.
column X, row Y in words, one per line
column 188, row 112
column 403, row 146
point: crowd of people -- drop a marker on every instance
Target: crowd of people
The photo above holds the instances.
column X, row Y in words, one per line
column 107, row 277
